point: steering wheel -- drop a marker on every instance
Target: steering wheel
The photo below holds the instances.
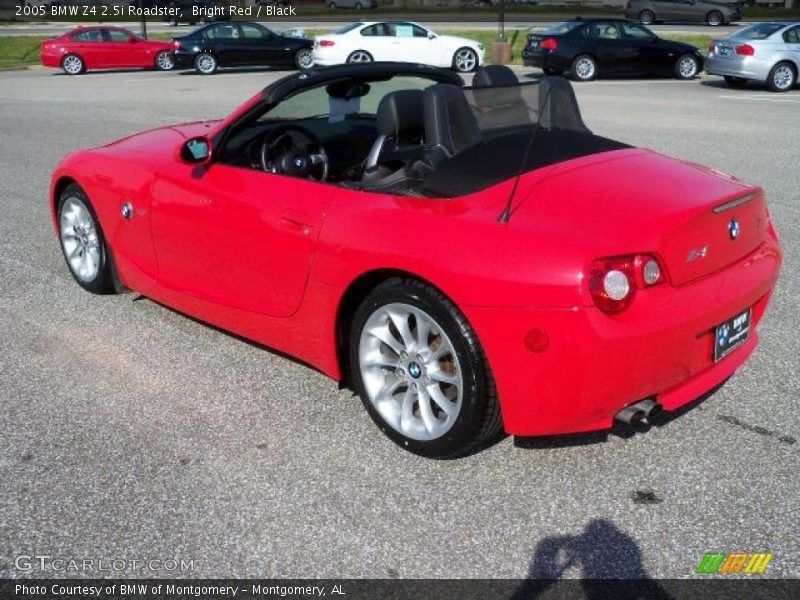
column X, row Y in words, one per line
column 281, row 153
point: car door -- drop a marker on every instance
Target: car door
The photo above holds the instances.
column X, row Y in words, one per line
column 223, row 40
column 411, row 44
column 121, row 48
column 260, row 46
column 613, row 54
column 89, row 45
column 235, row 236
column 650, row 56
column 379, row 41
column 791, row 38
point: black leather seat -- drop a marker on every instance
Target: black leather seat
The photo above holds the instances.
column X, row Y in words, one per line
column 399, row 122
column 450, row 123
column 502, row 105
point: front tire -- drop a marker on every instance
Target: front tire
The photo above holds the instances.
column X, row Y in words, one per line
column 686, row 67
column 647, row 17
column 465, row 60
column 420, row 371
column 82, row 242
column 715, row 18
column 164, row 61
column 782, row 77
column 206, row 64
column 72, row 64
column 304, row 59
column 584, row 68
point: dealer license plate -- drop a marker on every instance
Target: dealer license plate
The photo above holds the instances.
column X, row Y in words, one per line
column 731, row 334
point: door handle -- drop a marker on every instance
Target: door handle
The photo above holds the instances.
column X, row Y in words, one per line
column 295, row 223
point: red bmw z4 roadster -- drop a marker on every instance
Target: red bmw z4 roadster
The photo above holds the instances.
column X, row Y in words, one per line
column 471, row 259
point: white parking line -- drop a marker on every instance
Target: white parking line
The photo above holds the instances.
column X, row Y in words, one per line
column 761, row 98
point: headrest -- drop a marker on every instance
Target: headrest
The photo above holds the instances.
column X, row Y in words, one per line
column 400, row 112
column 450, row 122
column 490, row 75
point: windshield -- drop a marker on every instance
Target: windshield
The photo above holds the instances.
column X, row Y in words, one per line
column 339, row 100
column 761, row 31
column 347, row 28
column 561, row 28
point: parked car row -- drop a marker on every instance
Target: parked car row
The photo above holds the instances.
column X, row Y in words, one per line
column 585, row 49
column 582, row 48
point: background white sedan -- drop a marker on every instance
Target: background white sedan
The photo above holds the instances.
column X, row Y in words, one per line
column 396, row 41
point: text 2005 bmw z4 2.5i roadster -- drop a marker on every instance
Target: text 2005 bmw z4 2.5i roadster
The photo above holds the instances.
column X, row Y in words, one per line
column 472, row 259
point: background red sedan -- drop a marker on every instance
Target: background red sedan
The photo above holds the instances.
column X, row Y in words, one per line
column 105, row 48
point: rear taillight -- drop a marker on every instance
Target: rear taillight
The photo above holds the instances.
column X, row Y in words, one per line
column 711, row 48
column 613, row 281
column 548, row 44
column 745, row 50
column 327, row 43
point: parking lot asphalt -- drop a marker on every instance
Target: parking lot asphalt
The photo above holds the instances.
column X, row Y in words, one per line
column 128, row 431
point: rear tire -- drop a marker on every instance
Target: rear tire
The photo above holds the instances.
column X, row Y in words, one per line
column 715, row 18
column 420, row 371
column 164, row 61
column 360, row 56
column 782, row 77
column 82, row 241
column 686, row 67
column 206, row 64
column 304, row 59
column 647, row 17
column 737, row 82
column 72, row 64
column 584, row 68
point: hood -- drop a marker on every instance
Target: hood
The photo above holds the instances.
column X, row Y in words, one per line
column 163, row 140
column 461, row 41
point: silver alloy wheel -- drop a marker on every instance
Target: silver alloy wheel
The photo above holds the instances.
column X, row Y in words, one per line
column 585, row 68
column 714, row 18
column 359, row 56
column 206, row 63
column 73, row 64
column 410, row 371
column 164, row 61
column 783, row 77
column 687, row 67
column 466, row 60
column 305, row 59
column 79, row 239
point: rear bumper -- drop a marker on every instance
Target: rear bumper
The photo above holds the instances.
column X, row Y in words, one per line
column 544, row 60
column 596, row 364
column 747, row 67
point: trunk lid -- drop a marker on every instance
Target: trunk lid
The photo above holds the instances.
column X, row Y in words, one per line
column 696, row 220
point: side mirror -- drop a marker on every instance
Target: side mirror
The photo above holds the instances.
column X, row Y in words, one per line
column 431, row 35
column 196, row 151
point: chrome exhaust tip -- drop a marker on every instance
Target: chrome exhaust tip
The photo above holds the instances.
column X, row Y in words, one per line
column 632, row 415
column 650, row 407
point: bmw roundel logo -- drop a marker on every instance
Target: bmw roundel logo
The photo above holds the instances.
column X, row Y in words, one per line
column 733, row 229
column 723, row 334
column 299, row 162
column 414, row 370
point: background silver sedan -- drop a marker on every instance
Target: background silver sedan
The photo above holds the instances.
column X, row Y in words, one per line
column 765, row 52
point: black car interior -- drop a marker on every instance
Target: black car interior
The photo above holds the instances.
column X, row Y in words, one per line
column 440, row 141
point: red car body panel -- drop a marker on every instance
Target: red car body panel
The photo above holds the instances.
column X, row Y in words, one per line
column 106, row 54
column 300, row 245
